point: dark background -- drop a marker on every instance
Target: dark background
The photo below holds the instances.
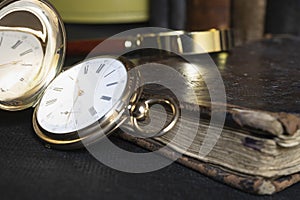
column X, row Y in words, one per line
column 28, row 170
column 283, row 17
column 250, row 20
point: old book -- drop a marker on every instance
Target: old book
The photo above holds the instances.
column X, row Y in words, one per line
column 248, row 20
column 159, row 13
column 283, row 17
column 203, row 15
column 168, row 14
column 258, row 150
column 178, row 14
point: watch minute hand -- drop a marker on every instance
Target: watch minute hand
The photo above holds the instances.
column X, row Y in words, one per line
column 10, row 63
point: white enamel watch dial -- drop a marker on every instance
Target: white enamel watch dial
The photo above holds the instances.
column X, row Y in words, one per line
column 20, row 61
column 70, row 104
column 89, row 97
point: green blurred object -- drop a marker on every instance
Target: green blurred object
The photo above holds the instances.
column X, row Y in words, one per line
column 102, row 11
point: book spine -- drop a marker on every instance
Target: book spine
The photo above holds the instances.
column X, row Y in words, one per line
column 283, row 17
column 178, row 14
column 203, row 14
column 248, row 20
column 159, row 13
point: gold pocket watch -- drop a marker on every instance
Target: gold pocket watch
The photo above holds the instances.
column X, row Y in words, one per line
column 90, row 100
column 91, row 97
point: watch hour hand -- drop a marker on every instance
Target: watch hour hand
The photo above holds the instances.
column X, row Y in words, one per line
column 68, row 113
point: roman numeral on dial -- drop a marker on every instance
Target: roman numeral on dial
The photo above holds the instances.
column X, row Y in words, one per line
column 18, row 43
column 50, row 102
column 106, row 98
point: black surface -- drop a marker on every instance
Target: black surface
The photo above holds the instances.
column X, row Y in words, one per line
column 28, row 170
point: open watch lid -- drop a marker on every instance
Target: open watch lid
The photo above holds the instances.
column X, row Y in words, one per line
column 32, row 51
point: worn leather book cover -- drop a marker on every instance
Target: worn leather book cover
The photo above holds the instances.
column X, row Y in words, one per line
column 263, row 95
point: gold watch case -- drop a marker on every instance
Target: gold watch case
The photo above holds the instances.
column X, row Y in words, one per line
column 106, row 124
column 38, row 18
